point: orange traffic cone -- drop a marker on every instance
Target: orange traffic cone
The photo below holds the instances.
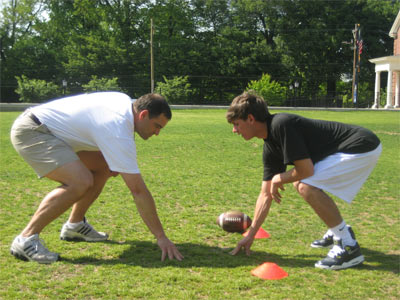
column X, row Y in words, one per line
column 261, row 234
column 269, row 271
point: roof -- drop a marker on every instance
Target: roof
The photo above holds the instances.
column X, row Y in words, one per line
column 395, row 28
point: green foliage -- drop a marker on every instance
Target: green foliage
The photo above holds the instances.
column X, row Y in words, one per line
column 176, row 90
column 383, row 97
column 272, row 92
column 344, row 94
column 101, row 84
column 36, row 90
column 220, row 45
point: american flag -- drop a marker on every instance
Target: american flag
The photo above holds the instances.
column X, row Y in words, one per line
column 360, row 46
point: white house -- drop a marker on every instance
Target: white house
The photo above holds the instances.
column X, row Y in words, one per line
column 390, row 64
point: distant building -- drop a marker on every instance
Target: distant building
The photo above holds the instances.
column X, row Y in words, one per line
column 390, row 64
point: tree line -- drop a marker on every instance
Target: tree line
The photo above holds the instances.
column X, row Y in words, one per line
column 206, row 51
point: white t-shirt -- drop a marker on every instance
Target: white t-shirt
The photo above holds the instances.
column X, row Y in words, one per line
column 92, row 122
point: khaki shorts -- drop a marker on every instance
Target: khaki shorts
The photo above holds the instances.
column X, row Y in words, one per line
column 43, row 151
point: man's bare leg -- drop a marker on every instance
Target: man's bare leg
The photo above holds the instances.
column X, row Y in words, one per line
column 76, row 180
column 96, row 163
column 323, row 205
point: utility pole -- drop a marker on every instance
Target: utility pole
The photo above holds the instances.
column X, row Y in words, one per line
column 151, row 56
column 356, row 37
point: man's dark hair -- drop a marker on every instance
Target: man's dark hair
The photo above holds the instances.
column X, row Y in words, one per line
column 245, row 104
column 155, row 104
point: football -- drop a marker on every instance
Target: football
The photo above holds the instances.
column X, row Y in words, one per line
column 234, row 221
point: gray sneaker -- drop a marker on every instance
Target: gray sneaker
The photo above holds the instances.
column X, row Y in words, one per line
column 84, row 232
column 341, row 257
column 32, row 249
column 327, row 239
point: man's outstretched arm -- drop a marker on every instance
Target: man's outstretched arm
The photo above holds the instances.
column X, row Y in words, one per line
column 147, row 209
column 263, row 205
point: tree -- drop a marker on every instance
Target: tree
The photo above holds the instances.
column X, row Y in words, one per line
column 102, row 84
column 313, row 35
column 219, row 45
column 272, row 92
column 22, row 50
column 36, row 90
column 176, row 90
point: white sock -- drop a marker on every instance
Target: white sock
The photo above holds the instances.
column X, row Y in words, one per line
column 328, row 233
column 74, row 225
column 342, row 232
column 24, row 238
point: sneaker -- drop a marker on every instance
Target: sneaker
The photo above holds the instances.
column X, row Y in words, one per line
column 341, row 257
column 327, row 240
column 32, row 249
column 84, row 232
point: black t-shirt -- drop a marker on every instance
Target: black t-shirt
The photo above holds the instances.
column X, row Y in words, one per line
column 292, row 137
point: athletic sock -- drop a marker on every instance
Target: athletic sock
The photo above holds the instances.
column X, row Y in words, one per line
column 23, row 238
column 328, row 233
column 342, row 232
column 74, row 225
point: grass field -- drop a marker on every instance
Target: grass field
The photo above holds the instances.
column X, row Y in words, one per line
column 197, row 169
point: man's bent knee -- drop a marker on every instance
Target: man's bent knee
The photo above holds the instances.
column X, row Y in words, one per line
column 296, row 185
column 305, row 190
column 74, row 175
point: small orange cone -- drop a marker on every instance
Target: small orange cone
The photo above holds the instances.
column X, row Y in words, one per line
column 261, row 234
column 269, row 271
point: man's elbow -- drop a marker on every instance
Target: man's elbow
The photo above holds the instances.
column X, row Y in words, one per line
column 308, row 172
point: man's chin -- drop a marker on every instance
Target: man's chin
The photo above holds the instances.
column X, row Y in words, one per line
column 144, row 137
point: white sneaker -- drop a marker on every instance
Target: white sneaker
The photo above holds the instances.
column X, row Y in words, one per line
column 32, row 249
column 84, row 232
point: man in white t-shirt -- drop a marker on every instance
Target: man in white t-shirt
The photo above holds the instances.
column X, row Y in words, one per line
column 80, row 142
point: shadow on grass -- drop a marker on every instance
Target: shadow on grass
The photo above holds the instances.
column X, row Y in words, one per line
column 147, row 255
column 378, row 261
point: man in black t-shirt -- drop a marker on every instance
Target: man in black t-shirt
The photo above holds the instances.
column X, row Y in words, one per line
column 327, row 156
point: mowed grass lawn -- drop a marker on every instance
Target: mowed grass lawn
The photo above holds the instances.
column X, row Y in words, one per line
column 196, row 169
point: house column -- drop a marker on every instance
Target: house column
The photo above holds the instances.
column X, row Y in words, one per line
column 397, row 91
column 389, row 90
column 377, row 89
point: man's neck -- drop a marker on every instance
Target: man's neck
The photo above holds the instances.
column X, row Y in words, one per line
column 261, row 130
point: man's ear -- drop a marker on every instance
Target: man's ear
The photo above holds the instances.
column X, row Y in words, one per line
column 143, row 114
column 251, row 118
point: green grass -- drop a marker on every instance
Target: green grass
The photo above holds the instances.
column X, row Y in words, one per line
column 197, row 169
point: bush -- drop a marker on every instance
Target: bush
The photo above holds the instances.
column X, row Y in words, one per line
column 36, row 90
column 102, row 84
column 176, row 90
column 271, row 91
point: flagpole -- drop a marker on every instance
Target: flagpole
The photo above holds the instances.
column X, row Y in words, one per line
column 354, row 92
column 151, row 56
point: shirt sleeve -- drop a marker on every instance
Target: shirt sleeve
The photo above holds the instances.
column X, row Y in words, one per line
column 120, row 154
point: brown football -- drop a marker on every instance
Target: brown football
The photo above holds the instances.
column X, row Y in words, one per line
column 234, row 221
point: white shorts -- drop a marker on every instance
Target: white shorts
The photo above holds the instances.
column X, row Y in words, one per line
column 343, row 174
